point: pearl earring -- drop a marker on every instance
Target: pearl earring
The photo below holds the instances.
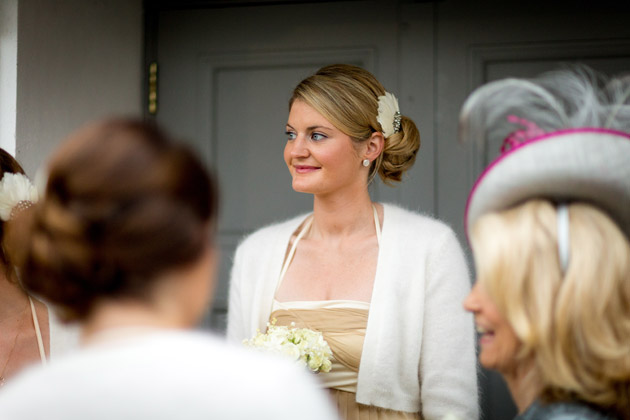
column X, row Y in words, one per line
column 366, row 162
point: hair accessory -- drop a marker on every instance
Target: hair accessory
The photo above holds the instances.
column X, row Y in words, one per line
column 366, row 162
column 397, row 119
column 389, row 116
column 16, row 194
column 564, row 251
column 518, row 137
column 582, row 156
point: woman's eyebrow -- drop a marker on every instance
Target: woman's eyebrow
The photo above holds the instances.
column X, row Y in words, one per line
column 315, row 127
column 311, row 128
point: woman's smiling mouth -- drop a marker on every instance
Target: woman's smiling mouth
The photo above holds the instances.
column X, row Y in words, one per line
column 303, row 169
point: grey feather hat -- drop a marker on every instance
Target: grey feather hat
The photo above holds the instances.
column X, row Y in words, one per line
column 566, row 137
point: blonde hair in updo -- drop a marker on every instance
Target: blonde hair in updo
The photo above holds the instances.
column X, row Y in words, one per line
column 347, row 96
column 576, row 325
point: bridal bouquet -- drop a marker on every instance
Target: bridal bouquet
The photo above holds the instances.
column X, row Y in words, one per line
column 305, row 346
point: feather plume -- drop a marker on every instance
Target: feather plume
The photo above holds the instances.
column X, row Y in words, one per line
column 579, row 97
column 15, row 189
column 387, row 109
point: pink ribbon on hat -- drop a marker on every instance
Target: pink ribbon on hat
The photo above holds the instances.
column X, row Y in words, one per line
column 517, row 137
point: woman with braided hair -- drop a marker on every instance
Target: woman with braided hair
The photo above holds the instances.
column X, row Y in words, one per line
column 123, row 242
column 382, row 284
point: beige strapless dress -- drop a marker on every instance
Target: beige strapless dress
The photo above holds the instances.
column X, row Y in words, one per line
column 343, row 325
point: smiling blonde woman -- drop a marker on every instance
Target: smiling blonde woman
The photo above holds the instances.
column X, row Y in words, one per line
column 382, row 284
column 549, row 228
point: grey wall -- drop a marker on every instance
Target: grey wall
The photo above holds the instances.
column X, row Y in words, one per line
column 77, row 60
column 8, row 73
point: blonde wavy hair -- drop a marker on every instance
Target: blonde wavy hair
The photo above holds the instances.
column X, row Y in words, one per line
column 347, row 96
column 575, row 326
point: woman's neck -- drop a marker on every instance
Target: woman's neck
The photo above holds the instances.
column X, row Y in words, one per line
column 522, row 385
column 342, row 215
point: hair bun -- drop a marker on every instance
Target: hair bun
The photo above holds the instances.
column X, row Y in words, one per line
column 123, row 205
column 400, row 151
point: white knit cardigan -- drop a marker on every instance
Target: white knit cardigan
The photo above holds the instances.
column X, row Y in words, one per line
column 419, row 351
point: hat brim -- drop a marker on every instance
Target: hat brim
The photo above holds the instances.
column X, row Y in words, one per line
column 585, row 164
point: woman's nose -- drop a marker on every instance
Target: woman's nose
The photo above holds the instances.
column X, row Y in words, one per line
column 471, row 303
column 300, row 148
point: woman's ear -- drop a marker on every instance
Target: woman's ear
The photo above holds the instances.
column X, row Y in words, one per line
column 374, row 146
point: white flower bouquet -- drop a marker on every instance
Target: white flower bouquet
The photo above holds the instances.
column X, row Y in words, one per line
column 305, row 346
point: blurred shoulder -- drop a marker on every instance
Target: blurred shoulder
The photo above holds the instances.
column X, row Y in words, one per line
column 157, row 375
column 562, row 411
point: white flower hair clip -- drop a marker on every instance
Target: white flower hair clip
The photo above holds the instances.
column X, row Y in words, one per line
column 388, row 114
column 16, row 194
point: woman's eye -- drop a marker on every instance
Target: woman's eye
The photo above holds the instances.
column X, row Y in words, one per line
column 317, row 136
column 290, row 135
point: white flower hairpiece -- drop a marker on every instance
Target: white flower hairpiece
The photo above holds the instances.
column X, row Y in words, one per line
column 16, row 194
column 388, row 114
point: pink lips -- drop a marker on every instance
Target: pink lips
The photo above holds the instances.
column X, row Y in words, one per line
column 485, row 334
column 486, row 338
column 304, row 169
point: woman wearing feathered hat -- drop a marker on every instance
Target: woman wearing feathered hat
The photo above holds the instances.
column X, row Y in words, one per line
column 382, row 284
column 549, row 225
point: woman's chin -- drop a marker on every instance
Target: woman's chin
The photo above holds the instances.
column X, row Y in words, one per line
column 488, row 359
column 500, row 365
column 303, row 188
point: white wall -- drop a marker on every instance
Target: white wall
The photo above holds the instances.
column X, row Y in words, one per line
column 77, row 60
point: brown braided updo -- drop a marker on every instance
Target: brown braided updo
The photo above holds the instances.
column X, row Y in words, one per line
column 123, row 204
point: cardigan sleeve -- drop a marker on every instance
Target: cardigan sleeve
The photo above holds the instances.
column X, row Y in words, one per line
column 448, row 367
column 253, row 278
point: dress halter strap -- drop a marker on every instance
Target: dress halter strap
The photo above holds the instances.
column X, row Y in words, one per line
column 38, row 333
column 377, row 224
column 287, row 260
column 305, row 228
